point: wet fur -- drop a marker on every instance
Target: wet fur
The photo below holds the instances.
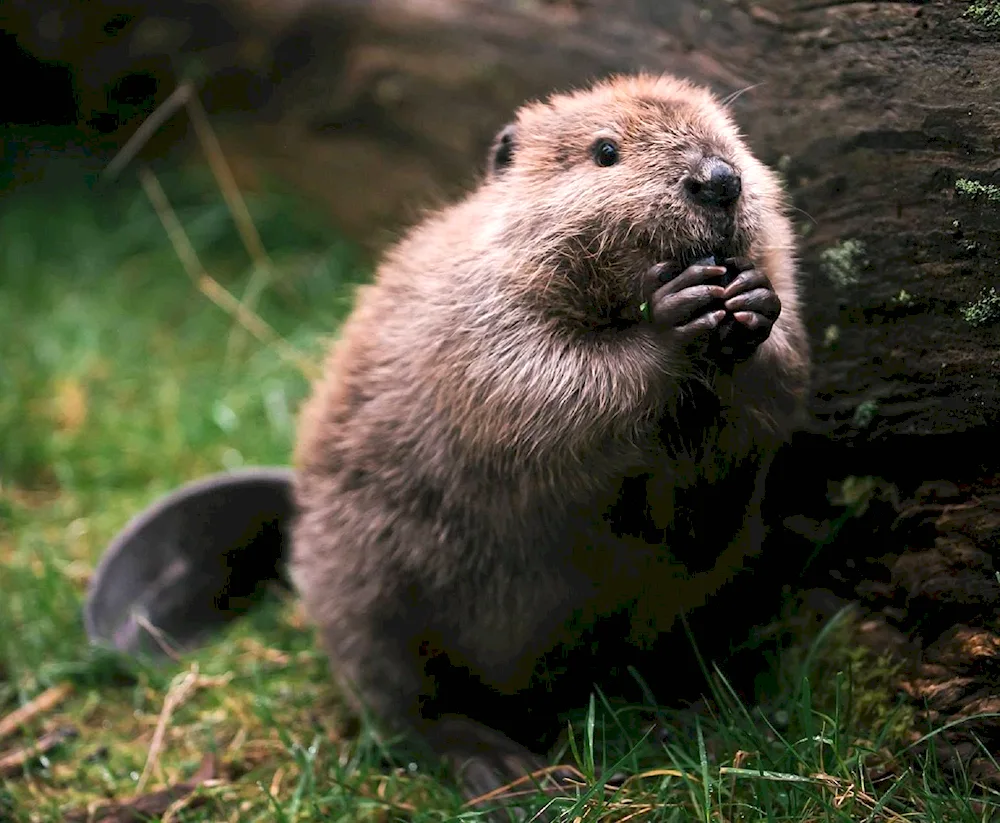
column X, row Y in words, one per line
column 501, row 455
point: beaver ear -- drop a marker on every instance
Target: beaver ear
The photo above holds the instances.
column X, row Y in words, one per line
column 502, row 150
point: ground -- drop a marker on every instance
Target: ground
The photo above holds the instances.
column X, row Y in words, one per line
column 118, row 381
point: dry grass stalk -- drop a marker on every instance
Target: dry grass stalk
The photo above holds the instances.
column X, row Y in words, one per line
column 263, row 267
column 46, row 701
column 210, row 287
column 160, row 115
column 227, row 183
column 13, row 763
column 507, row 791
column 185, row 95
column 182, row 687
column 159, row 637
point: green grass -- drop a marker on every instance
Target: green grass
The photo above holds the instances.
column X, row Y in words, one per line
column 118, row 381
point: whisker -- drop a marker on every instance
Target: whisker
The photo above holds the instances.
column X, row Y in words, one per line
column 731, row 98
column 803, row 211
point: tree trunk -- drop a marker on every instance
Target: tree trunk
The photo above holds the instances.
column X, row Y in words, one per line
column 872, row 111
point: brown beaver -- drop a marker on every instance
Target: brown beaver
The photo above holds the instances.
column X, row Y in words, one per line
column 548, row 421
column 461, row 468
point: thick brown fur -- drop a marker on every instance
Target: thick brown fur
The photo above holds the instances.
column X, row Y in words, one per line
column 496, row 390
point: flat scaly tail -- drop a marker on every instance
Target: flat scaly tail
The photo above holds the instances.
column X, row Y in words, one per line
column 191, row 562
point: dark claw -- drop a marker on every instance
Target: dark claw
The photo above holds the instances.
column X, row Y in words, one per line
column 694, row 275
column 761, row 301
column 665, row 272
column 677, row 309
column 747, row 281
column 662, row 272
column 737, row 265
column 703, row 324
column 752, row 320
column 754, row 305
column 485, row 761
column 733, row 266
column 689, row 302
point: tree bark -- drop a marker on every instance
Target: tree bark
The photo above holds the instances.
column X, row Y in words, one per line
column 872, row 111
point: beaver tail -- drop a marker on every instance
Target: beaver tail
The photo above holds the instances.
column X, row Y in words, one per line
column 192, row 562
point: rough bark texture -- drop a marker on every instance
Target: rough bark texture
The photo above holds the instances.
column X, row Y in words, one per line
column 922, row 569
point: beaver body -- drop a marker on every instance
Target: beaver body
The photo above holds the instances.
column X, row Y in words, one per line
column 545, row 417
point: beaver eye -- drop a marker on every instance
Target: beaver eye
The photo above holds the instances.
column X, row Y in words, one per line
column 605, row 153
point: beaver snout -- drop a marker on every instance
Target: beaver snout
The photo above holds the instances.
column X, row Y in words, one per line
column 714, row 184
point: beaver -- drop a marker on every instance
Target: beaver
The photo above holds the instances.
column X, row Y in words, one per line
column 545, row 425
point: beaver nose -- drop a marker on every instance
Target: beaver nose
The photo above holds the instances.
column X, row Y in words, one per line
column 715, row 183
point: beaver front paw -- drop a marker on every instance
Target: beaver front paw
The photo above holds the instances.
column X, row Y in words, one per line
column 687, row 306
column 754, row 307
